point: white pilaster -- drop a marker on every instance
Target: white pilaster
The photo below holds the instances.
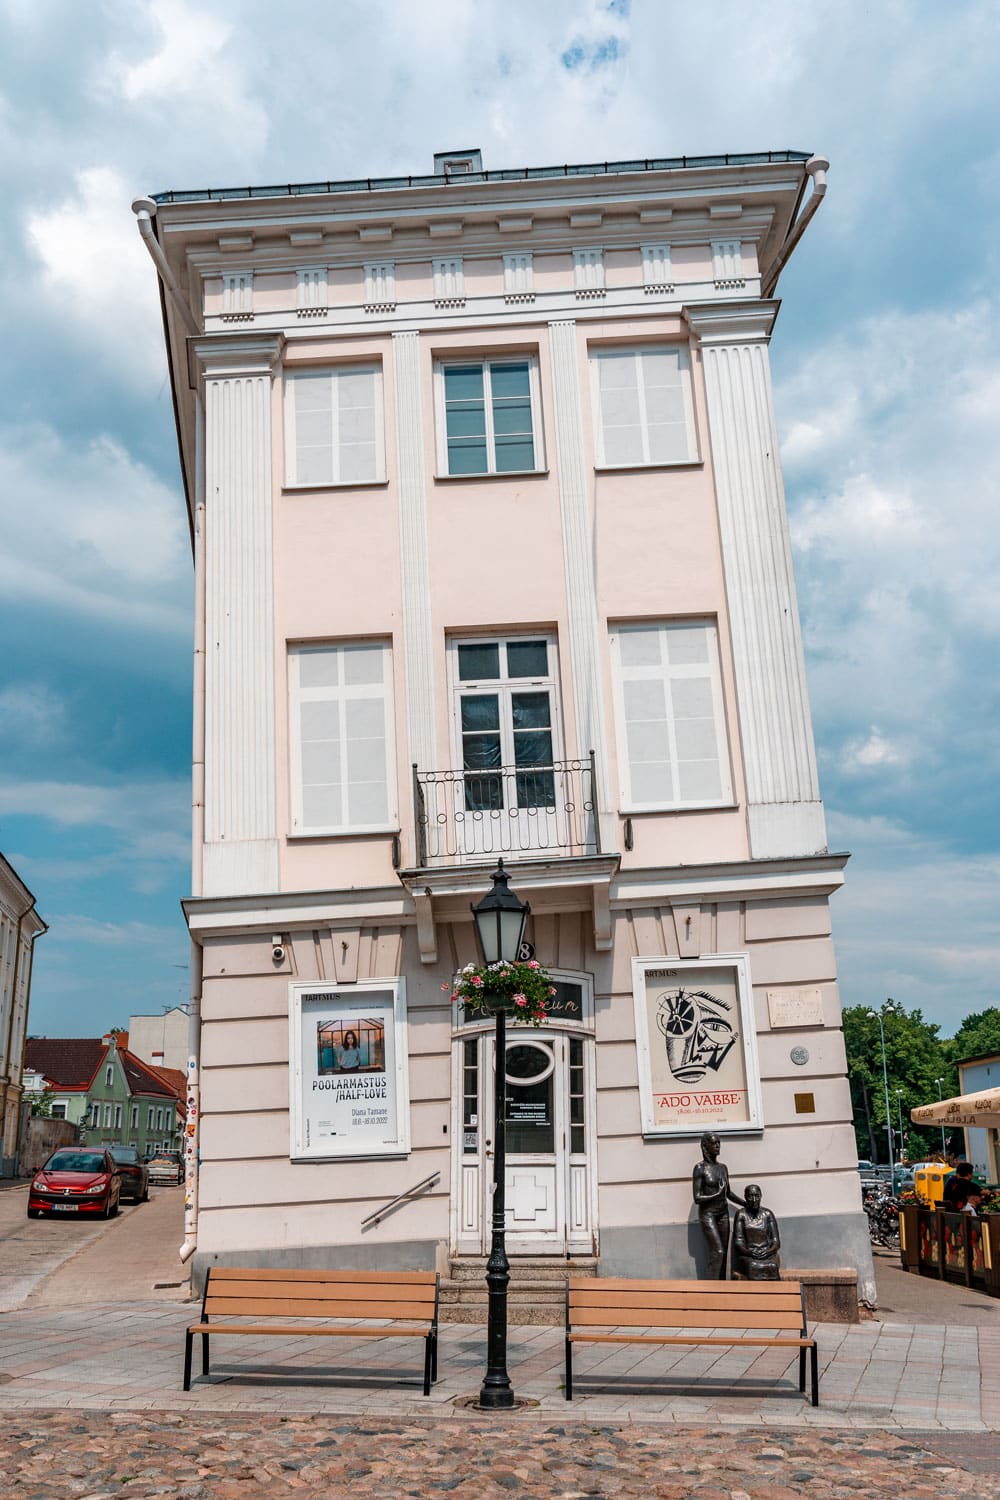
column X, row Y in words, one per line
column 241, row 844
column 418, row 638
column 578, row 560
column 784, row 811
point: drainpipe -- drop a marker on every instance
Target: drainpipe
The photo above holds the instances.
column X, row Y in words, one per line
column 8, row 1069
column 193, row 1111
column 144, row 209
column 817, row 167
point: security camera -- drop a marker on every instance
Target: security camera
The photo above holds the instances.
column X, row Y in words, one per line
column 277, row 949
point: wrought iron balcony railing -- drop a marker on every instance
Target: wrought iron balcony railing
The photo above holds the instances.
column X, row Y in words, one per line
column 523, row 811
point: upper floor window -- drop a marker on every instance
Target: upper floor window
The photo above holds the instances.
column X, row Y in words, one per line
column 643, row 409
column 340, row 718
column 333, row 426
column 671, row 721
column 109, row 1075
column 489, row 416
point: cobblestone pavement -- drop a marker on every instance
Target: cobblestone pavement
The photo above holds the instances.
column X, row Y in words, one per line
column 76, row 1456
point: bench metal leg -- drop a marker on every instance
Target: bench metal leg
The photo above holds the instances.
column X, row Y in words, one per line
column 802, row 1369
column 204, row 1354
column 569, row 1371
column 814, row 1362
column 428, row 1364
column 434, row 1357
column 188, row 1342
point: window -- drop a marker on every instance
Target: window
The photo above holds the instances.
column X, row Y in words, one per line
column 333, row 426
column 109, row 1076
column 95, row 1115
column 152, row 1117
column 488, row 417
column 107, row 1117
column 505, row 722
column 643, row 407
column 671, row 724
column 340, row 717
column 118, row 1117
column 59, row 1112
column 134, row 1123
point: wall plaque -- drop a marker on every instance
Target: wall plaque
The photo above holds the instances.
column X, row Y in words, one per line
column 802, row 1007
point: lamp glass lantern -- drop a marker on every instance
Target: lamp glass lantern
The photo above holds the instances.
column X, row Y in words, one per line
column 500, row 920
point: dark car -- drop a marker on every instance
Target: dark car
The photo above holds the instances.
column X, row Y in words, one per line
column 76, row 1180
column 135, row 1173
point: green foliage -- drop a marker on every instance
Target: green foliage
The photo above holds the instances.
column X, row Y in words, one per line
column 41, row 1105
column 978, row 1035
column 916, row 1056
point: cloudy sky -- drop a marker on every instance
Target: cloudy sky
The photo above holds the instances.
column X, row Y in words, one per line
column 886, row 363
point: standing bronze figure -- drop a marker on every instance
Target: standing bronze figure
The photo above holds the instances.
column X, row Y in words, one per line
column 756, row 1240
column 712, row 1195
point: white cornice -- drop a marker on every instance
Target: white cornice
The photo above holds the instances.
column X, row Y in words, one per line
column 226, row 355
column 758, row 880
column 744, row 320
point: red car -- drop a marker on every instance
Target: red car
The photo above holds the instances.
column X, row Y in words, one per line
column 76, row 1180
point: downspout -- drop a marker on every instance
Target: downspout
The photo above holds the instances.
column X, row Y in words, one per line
column 8, row 1070
column 144, row 209
column 193, row 1110
column 817, row 167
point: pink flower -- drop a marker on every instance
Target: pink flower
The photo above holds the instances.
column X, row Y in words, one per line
column 446, row 988
column 454, row 998
column 520, row 1000
column 533, row 963
column 552, row 989
column 477, row 981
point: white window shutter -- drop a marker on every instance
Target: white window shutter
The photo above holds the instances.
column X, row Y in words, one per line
column 341, row 719
column 334, row 426
column 619, row 402
column 673, row 724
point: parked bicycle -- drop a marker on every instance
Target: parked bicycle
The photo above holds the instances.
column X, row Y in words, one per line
column 883, row 1219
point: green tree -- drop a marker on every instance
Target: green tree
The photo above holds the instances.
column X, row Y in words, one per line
column 978, row 1035
column 916, row 1056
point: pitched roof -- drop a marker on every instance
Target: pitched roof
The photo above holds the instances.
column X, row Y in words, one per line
column 141, row 1078
column 70, row 1062
column 175, row 1078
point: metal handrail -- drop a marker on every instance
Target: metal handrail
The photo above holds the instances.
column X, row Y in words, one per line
column 400, row 1198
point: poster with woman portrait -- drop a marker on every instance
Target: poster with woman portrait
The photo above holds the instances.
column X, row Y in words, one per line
column 348, row 1070
column 697, row 1045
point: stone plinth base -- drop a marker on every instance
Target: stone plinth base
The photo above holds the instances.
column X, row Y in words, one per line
column 831, row 1293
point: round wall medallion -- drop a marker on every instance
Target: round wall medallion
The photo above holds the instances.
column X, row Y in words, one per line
column 799, row 1056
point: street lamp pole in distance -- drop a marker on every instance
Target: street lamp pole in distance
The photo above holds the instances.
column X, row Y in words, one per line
column 888, row 1009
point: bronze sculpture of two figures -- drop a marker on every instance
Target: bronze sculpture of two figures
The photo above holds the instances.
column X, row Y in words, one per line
column 756, row 1241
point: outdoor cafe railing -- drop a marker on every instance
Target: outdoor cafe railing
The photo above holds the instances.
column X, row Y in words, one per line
column 520, row 811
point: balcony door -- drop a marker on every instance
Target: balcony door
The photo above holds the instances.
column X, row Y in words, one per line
column 507, row 743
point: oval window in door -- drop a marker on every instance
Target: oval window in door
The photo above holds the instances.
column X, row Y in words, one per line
column 529, row 1062
column 530, row 1120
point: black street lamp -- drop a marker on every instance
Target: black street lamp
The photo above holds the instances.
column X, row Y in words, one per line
column 500, row 919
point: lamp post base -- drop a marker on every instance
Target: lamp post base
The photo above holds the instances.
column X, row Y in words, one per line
column 497, row 1393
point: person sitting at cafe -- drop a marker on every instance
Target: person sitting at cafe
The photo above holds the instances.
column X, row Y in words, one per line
column 973, row 1201
column 957, row 1188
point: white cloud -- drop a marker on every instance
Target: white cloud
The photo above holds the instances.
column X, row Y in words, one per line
column 915, row 921
column 196, row 67
column 93, row 532
column 871, row 753
column 32, row 716
column 97, row 278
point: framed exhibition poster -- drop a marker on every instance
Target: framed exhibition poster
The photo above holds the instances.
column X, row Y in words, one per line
column 697, row 1045
column 348, row 1082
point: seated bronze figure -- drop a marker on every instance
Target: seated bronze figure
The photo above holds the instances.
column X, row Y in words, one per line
column 756, row 1240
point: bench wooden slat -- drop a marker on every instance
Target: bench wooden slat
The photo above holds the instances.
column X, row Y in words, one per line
column 682, row 1317
column 261, row 1273
column 682, row 1338
column 396, row 1331
column 593, row 1296
column 343, row 1291
column 304, row 1307
column 688, row 1288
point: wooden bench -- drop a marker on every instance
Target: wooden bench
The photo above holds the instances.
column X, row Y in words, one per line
column 598, row 1310
column 269, row 1298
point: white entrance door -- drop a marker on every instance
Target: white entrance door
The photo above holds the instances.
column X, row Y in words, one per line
column 548, row 1150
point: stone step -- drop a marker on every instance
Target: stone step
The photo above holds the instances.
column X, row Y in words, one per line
column 523, row 1293
column 532, row 1268
column 538, row 1315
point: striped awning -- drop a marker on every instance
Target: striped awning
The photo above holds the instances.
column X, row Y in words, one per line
column 972, row 1110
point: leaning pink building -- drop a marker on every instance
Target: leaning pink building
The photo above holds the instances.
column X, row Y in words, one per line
column 492, row 560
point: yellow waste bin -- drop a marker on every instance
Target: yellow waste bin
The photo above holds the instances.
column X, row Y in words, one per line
column 928, row 1181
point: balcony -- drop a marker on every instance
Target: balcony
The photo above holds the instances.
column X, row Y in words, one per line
column 514, row 812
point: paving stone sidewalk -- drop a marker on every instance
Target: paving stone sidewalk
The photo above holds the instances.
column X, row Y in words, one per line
column 71, row 1456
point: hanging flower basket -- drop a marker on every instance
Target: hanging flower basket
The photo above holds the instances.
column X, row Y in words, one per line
column 523, row 991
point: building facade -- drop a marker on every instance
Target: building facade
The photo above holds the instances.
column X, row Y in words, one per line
column 99, row 1085
column 162, row 1040
column 492, row 560
column 20, row 925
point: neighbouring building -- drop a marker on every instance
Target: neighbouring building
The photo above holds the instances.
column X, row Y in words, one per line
column 162, row 1040
column 492, row 560
column 20, row 925
column 979, row 1075
column 100, row 1086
